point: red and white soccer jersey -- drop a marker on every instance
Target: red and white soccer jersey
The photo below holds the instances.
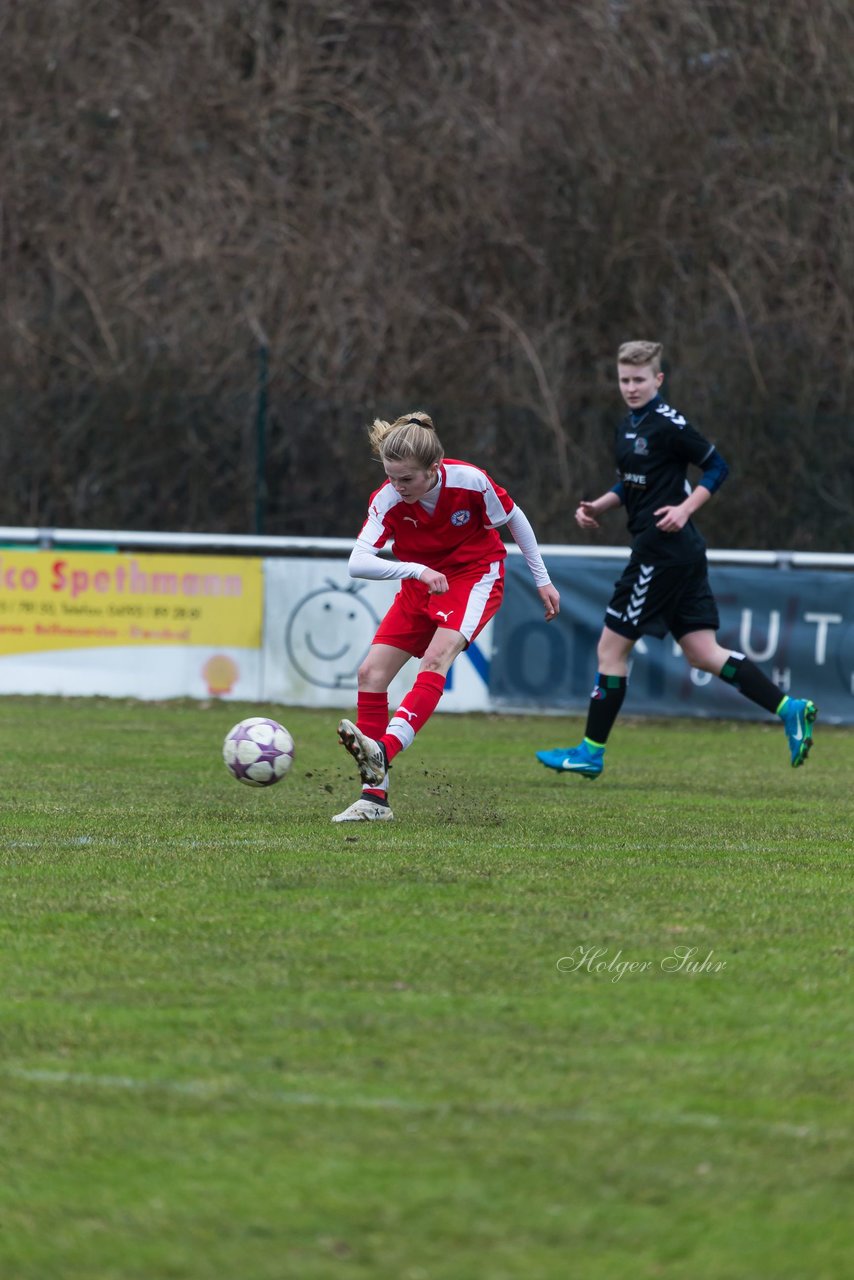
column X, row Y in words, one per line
column 461, row 532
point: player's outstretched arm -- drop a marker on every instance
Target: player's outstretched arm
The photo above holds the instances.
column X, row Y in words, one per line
column 587, row 513
column 715, row 470
column 526, row 540
column 550, row 597
column 365, row 562
column 672, row 519
column 435, row 582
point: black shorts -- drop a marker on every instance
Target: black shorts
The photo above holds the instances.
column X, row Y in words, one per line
column 652, row 599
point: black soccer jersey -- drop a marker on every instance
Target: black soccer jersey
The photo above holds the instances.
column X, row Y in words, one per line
column 655, row 446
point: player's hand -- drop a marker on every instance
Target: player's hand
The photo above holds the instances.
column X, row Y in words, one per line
column 550, row 597
column 585, row 516
column 671, row 519
column 435, row 582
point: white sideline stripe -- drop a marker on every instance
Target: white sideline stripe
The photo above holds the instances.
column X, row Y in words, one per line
column 211, row 1091
column 191, row 842
column 450, row 842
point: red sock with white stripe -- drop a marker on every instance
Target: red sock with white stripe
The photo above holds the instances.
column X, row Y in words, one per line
column 414, row 712
column 372, row 719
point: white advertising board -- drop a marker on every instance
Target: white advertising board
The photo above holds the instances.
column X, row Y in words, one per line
column 318, row 626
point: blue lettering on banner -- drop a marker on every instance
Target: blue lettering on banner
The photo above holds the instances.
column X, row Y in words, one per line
column 798, row 626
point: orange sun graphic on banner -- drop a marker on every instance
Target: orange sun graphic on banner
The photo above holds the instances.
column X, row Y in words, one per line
column 220, row 673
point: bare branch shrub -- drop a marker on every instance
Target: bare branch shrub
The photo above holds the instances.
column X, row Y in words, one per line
column 462, row 207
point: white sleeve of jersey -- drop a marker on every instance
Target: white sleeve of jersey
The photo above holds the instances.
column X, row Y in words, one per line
column 373, row 531
column 365, row 562
column 526, row 540
column 495, row 513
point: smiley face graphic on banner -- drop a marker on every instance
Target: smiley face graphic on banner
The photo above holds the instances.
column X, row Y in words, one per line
column 328, row 634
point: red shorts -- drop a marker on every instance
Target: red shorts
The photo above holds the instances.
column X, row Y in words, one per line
column 472, row 598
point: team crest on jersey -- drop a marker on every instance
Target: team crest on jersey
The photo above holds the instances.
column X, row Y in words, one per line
column 461, row 517
column 641, row 445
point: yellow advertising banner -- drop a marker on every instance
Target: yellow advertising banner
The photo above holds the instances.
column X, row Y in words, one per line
column 56, row 599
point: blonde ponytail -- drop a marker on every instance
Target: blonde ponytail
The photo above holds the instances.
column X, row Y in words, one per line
column 411, row 437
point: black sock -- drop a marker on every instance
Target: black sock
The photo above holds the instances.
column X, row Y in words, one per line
column 745, row 676
column 605, row 702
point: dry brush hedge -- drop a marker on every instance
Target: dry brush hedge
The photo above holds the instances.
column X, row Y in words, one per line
column 461, row 206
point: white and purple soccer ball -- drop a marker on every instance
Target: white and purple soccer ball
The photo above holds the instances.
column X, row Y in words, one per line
column 258, row 751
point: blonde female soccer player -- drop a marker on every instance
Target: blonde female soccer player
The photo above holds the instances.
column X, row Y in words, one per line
column 441, row 517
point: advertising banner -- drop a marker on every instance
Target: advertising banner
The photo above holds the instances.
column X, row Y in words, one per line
column 319, row 625
column 798, row 625
column 147, row 626
column 293, row 631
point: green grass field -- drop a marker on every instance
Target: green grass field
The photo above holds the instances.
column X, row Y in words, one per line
column 241, row 1043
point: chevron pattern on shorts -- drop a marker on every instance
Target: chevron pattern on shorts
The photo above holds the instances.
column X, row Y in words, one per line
column 634, row 608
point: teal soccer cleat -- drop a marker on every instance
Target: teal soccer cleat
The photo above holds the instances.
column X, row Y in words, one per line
column 584, row 759
column 798, row 716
